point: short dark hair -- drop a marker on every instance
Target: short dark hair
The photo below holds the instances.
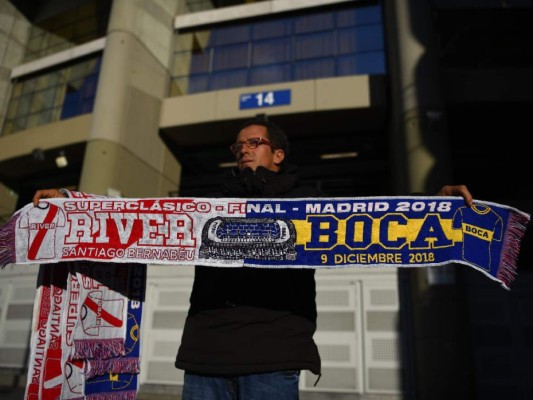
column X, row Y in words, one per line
column 275, row 133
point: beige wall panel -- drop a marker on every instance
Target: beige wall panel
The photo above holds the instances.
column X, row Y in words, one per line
column 148, row 20
column 306, row 96
column 146, row 73
column 141, row 121
column 339, row 93
column 72, row 130
column 184, row 110
column 117, row 168
column 244, row 11
column 127, row 109
column 111, row 97
column 171, row 168
column 222, row 14
column 136, row 68
column 8, row 202
column 289, row 5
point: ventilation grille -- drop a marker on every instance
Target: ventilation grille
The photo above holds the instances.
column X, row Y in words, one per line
column 332, row 298
column 385, row 349
column 382, row 297
column 16, row 313
column 335, row 353
column 18, row 336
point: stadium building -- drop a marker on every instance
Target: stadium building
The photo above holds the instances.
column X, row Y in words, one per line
column 141, row 98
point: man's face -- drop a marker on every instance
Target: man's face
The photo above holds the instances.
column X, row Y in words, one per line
column 263, row 155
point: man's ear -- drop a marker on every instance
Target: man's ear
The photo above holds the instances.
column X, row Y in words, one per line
column 279, row 156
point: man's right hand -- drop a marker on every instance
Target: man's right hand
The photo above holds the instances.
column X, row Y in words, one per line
column 46, row 194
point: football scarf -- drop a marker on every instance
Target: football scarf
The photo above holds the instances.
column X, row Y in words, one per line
column 331, row 233
column 85, row 340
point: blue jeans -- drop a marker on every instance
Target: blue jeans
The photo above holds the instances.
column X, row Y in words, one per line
column 281, row 385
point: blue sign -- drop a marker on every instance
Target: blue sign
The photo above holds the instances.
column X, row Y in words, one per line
column 265, row 99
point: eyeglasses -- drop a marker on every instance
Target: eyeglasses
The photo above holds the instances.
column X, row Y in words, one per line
column 251, row 143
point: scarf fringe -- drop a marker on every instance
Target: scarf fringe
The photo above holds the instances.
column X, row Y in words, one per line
column 7, row 241
column 99, row 349
column 516, row 230
column 128, row 395
column 119, row 365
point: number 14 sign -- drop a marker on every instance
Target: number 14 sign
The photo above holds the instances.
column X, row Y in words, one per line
column 265, row 99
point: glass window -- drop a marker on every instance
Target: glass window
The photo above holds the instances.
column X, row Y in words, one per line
column 78, row 71
column 231, row 34
column 90, row 86
column 271, row 52
column 270, row 74
column 78, row 24
column 313, row 23
column 198, row 83
column 49, row 95
column 344, row 40
column 86, row 106
column 200, row 61
column 46, row 116
column 366, row 63
column 313, row 46
column 230, row 57
column 358, row 16
column 271, row 29
column 12, row 109
column 24, row 105
column 36, row 102
column 314, row 69
column 28, row 86
column 360, row 39
column 52, row 96
column 33, row 120
column 228, row 79
column 19, row 124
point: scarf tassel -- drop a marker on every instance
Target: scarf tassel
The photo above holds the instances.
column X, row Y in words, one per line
column 129, row 395
column 117, row 365
column 513, row 237
column 7, row 241
column 99, row 349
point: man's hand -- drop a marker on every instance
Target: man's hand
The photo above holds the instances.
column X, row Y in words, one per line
column 457, row 190
column 46, row 194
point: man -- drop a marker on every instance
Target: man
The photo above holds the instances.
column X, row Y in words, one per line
column 249, row 331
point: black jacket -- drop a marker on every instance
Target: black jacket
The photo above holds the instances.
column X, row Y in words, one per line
column 252, row 320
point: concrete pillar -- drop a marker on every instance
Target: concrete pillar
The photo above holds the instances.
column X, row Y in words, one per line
column 420, row 120
column 124, row 151
column 421, row 164
column 14, row 34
